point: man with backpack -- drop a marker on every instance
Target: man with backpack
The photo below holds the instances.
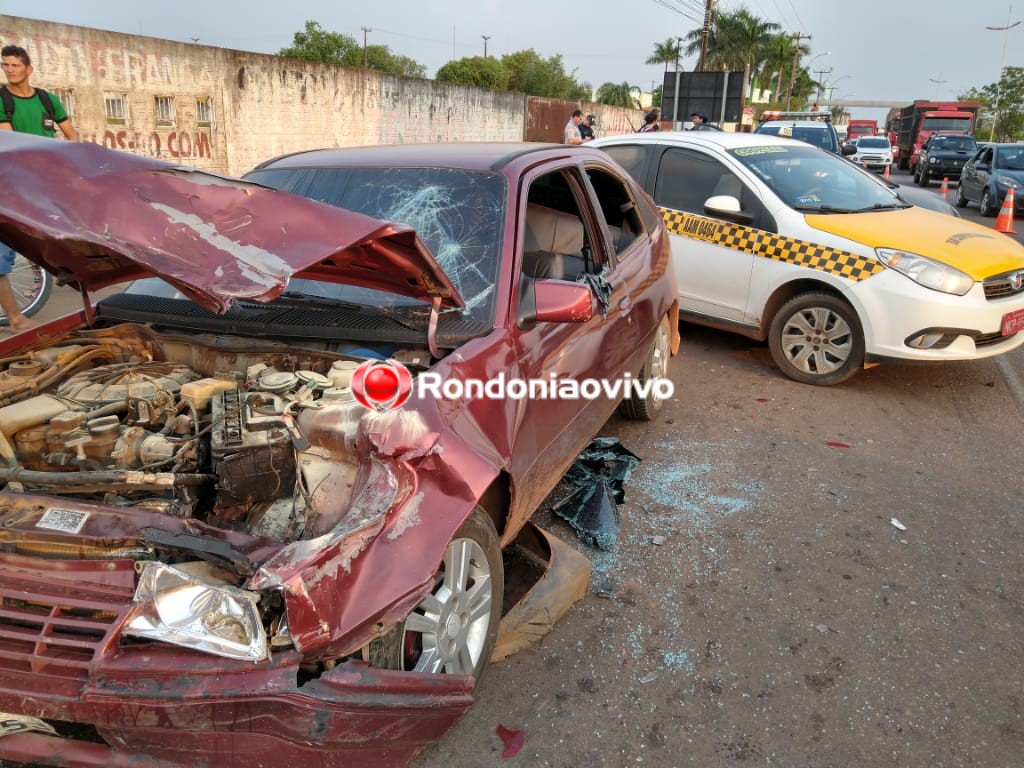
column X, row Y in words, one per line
column 26, row 110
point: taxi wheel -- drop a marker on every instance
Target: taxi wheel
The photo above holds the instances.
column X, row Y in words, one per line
column 454, row 627
column 816, row 338
column 985, row 206
column 961, row 198
column 655, row 367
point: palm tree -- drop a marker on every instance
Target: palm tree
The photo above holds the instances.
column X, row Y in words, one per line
column 616, row 95
column 780, row 53
column 746, row 39
column 667, row 52
column 736, row 40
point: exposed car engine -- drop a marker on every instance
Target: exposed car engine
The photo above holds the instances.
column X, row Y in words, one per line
column 239, row 439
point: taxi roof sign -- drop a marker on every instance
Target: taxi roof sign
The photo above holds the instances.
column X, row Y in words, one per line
column 772, row 114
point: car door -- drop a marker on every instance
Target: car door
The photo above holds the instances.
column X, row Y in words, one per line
column 616, row 265
column 975, row 178
column 713, row 274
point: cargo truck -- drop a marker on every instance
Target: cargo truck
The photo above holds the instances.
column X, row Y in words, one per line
column 911, row 126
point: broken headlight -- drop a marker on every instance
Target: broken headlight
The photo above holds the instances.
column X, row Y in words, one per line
column 188, row 606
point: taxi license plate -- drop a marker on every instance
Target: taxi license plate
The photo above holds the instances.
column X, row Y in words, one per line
column 1013, row 322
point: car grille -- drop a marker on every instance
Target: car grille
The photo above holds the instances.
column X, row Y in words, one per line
column 1002, row 286
column 53, row 628
column 988, row 339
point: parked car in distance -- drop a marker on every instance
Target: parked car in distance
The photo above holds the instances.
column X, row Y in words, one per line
column 215, row 552
column 943, row 157
column 994, row 170
column 873, row 153
column 814, row 128
column 787, row 243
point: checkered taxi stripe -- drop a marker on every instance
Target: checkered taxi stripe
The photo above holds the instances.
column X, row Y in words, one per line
column 771, row 246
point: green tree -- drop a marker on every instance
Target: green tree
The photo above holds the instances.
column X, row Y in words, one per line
column 1002, row 102
column 476, row 71
column 315, row 43
column 531, row 74
column 667, row 53
column 617, row 95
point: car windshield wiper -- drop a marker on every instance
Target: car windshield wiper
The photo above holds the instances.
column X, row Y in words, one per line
column 822, row 209
column 883, row 207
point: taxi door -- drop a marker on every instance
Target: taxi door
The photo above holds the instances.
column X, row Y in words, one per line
column 713, row 257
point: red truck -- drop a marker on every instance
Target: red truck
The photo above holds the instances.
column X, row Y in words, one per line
column 857, row 128
column 911, row 126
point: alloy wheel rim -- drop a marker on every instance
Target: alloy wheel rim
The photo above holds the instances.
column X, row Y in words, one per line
column 817, row 340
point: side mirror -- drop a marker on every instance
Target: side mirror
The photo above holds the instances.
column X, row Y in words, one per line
column 849, row 149
column 727, row 207
column 554, row 301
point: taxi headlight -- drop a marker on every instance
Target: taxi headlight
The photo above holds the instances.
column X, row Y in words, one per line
column 1006, row 181
column 927, row 272
column 933, row 159
column 190, row 607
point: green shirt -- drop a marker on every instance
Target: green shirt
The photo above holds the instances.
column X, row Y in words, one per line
column 29, row 113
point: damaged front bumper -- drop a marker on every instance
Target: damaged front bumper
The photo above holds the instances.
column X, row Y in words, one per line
column 148, row 712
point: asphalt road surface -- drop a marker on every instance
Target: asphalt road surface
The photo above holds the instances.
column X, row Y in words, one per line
column 786, row 619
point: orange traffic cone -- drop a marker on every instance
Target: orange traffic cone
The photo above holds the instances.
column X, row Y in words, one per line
column 944, row 189
column 1004, row 221
column 885, row 173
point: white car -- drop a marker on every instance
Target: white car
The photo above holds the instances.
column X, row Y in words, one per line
column 873, row 153
column 781, row 241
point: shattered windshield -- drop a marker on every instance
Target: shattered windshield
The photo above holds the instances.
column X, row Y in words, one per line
column 459, row 215
column 813, row 181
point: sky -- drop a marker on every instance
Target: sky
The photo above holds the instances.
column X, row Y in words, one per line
column 893, row 50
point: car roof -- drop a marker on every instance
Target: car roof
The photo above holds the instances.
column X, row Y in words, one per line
column 479, row 156
column 722, row 140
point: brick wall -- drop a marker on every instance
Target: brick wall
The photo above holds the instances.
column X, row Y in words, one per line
column 121, row 88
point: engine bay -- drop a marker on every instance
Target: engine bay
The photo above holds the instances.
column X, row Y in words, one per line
column 238, row 433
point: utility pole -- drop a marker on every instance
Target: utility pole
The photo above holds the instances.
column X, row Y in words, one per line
column 797, row 37
column 817, row 99
column 705, row 34
column 1002, row 65
column 486, row 38
column 365, row 31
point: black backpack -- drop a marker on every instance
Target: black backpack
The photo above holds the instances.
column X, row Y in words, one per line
column 8, row 102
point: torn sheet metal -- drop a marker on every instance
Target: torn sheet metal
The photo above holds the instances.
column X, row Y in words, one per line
column 598, row 474
column 98, row 217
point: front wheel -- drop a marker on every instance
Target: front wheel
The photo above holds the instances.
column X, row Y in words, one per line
column 961, row 198
column 31, row 285
column 816, row 338
column 646, row 407
column 923, row 179
column 986, row 207
column 455, row 626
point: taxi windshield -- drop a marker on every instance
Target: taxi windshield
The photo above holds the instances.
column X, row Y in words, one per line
column 811, row 180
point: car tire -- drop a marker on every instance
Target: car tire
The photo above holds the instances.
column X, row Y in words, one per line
column 961, row 198
column 655, row 367
column 985, row 206
column 454, row 627
column 922, row 176
column 816, row 338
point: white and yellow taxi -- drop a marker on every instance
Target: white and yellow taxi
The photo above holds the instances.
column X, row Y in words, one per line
column 778, row 240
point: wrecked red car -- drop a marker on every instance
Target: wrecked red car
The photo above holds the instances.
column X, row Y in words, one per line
column 211, row 551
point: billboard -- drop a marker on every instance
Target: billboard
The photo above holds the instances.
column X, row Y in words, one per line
column 707, row 92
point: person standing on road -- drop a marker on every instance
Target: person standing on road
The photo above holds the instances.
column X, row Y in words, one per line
column 26, row 110
column 587, row 128
column 571, row 134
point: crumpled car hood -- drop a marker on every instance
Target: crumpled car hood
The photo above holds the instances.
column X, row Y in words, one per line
column 97, row 217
